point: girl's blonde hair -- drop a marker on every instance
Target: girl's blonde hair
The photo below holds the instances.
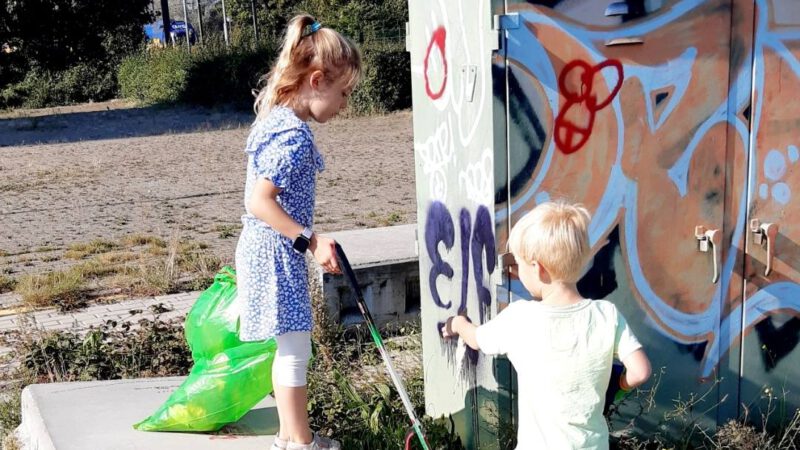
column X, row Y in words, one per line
column 303, row 51
column 555, row 234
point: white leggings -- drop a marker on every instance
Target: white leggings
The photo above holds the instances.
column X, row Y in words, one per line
column 291, row 359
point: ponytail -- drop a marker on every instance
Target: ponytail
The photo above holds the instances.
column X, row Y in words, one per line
column 306, row 47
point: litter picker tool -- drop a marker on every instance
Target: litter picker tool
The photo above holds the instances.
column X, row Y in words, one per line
column 416, row 426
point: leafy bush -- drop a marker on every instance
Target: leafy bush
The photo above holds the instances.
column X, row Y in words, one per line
column 87, row 82
column 66, row 51
column 157, row 75
column 34, row 91
column 209, row 75
column 80, row 83
column 132, row 76
column 386, row 82
column 368, row 415
column 223, row 76
column 213, row 74
column 112, row 351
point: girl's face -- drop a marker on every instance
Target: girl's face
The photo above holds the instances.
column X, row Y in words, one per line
column 328, row 97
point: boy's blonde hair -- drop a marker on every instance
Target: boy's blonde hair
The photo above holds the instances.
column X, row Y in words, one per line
column 555, row 234
column 303, row 51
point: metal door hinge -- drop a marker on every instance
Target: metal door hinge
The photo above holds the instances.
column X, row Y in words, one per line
column 505, row 21
column 501, row 22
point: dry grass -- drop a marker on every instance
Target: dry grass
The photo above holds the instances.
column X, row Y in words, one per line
column 682, row 427
column 10, row 442
column 21, row 187
column 134, row 240
column 61, row 288
column 97, row 246
column 143, row 280
column 6, row 283
column 392, row 219
column 137, row 265
column 227, row 231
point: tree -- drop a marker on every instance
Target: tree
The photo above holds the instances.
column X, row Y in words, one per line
column 53, row 35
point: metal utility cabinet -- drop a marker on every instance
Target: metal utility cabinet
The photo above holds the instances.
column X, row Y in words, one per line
column 675, row 122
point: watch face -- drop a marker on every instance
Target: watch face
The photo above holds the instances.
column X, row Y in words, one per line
column 301, row 244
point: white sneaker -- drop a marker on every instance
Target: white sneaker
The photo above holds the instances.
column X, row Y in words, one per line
column 317, row 443
column 279, row 444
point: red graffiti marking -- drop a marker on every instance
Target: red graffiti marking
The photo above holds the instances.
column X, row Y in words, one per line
column 570, row 136
column 438, row 40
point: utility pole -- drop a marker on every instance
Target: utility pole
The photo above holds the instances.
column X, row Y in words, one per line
column 224, row 23
column 165, row 21
column 186, row 28
column 255, row 22
column 200, row 20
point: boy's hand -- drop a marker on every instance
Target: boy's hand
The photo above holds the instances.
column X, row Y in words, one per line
column 617, row 390
column 450, row 330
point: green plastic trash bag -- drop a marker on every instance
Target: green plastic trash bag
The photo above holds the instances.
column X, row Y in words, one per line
column 212, row 324
column 228, row 378
column 218, row 391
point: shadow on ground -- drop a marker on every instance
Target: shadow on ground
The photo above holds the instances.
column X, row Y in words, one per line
column 107, row 121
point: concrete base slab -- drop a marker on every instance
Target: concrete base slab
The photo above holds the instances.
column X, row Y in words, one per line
column 386, row 265
column 99, row 415
column 382, row 246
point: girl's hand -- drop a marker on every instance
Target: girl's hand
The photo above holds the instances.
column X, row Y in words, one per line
column 324, row 251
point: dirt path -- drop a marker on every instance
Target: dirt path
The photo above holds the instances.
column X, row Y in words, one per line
column 72, row 175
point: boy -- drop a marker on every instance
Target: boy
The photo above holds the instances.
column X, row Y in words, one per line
column 563, row 346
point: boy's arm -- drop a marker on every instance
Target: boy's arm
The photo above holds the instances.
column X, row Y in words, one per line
column 628, row 349
column 635, row 367
column 460, row 326
column 637, row 370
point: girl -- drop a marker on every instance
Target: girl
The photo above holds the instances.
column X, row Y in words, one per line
column 311, row 79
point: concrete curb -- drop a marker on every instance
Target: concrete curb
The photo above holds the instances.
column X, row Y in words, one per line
column 32, row 431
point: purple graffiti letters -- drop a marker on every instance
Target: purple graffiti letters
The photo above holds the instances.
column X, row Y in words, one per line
column 477, row 243
column 466, row 230
column 483, row 244
column 438, row 228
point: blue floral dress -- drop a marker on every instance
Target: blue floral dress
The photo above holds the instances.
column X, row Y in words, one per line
column 272, row 278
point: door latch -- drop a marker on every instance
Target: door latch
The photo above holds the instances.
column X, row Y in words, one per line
column 709, row 241
column 764, row 234
column 505, row 261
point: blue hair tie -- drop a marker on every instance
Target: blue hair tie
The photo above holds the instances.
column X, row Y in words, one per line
column 311, row 29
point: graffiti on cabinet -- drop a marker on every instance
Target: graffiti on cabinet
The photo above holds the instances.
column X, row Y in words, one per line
column 644, row 134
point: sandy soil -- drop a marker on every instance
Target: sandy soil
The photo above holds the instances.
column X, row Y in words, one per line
column 105, row 170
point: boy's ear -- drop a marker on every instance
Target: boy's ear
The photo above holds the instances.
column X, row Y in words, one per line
column 542, row 272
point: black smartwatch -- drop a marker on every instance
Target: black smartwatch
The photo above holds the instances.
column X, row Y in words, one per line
column 303, row 240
